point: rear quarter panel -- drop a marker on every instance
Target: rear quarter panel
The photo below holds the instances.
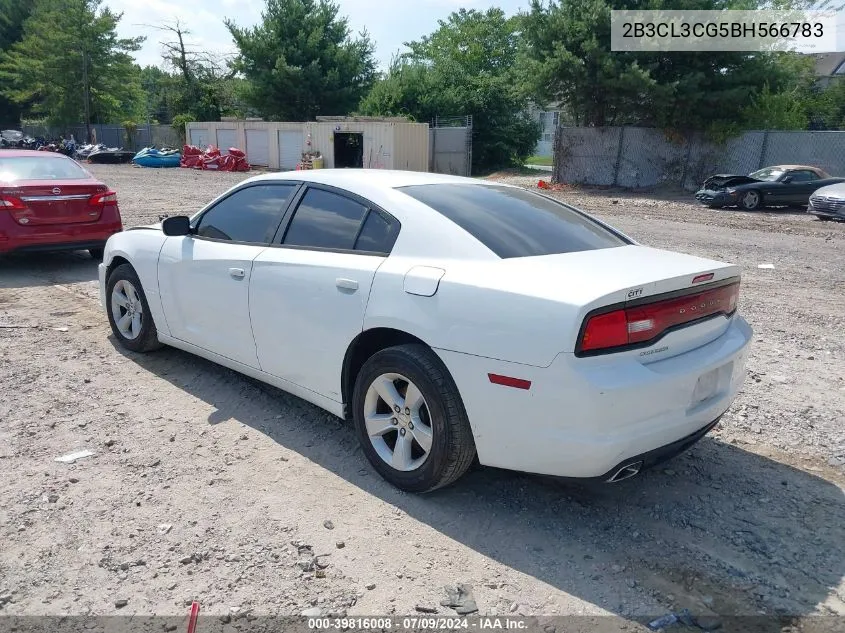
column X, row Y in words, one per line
column 465, row 316
column 526, row 310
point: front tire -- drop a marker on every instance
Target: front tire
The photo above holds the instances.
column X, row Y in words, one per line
column 751, row 200
column 128, row 311
column 824, row 218
column 410, row 419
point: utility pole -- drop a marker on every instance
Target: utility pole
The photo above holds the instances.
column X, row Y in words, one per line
column 86, row 91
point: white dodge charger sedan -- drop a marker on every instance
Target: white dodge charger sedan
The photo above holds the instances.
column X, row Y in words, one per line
column 447, row 317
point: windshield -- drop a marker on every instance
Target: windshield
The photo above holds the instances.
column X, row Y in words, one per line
column 14, row 168
column 769, row 173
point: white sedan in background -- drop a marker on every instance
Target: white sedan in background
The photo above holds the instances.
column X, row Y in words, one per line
column 448, row 317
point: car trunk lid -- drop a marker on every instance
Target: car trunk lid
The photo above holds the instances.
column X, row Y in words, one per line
column 34, row 203
column 633, row 278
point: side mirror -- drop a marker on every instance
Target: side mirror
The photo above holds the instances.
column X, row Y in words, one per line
column 177, row 225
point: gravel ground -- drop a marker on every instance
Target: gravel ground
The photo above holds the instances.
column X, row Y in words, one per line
column 208, row 486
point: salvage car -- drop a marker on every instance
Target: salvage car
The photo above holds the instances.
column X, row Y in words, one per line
column 49, row 202
column 780, row 185
column 828, row 203
column 447, row 317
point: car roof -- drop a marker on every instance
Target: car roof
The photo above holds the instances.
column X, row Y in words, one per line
column 355, row 179
column 432, row 234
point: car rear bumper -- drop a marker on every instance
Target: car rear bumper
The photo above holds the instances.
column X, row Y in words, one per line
column 638, row 463
column 585, row 419
column 714, row 198
column 53, row 237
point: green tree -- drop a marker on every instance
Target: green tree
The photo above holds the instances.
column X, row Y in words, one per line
column 567, row 59
column 13, row 13
column 70, row 65
column 776, row 111
column 301, row 61
column 826, row 107
column 159, row 88
column 465, row 67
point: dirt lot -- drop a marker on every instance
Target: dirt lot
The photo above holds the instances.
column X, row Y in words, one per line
column 208, row 486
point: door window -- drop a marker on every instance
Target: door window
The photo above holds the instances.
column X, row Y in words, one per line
column 250, row 215
column 325, row 220
column 803, row 175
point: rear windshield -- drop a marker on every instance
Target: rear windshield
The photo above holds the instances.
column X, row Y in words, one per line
column 513, row 222
column 40, row 168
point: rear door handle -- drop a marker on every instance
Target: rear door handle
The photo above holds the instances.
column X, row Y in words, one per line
column 346, row 284
column 237, row 273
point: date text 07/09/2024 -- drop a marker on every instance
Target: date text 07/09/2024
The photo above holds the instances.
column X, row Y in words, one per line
column 416, row 623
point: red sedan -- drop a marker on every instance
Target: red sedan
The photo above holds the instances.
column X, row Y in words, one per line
column 50, row 202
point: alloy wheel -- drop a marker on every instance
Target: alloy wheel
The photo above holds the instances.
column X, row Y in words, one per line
column 751, row 199
column 397, row 422
column 127, row 309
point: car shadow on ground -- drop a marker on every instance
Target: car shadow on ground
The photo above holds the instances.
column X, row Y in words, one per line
column 719, row 530
column 20, row 270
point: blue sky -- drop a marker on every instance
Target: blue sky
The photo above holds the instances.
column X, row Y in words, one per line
column 390, row 22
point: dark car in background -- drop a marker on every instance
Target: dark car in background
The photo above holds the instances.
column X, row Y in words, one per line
column 50, row 202
column 779, row 185
column 828, row 203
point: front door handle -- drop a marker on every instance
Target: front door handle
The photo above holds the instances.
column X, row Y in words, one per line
column 237, row 273
column 346, row 284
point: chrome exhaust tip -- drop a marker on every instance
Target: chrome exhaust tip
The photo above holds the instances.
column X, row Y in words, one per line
column 626, row 472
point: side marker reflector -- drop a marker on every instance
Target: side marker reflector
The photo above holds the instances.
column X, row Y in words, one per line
column 704, row 277
column 508, row 381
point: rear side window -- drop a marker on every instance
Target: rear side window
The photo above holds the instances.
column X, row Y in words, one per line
column 40, row 168
column 378, row 234
column 513, row 222
column 325, row 220
column 251, row 214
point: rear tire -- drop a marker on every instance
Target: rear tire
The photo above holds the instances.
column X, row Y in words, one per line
column 451, row 448
column 128, row 311
column 96, row 253
column 824, row 218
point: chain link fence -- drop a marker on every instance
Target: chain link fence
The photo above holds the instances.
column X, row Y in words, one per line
column 450, row 145
column 645, row 157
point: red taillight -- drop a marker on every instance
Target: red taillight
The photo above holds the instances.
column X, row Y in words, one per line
column 645, row 322
column 100, row 199
column 605, row 330
column 12, row 203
